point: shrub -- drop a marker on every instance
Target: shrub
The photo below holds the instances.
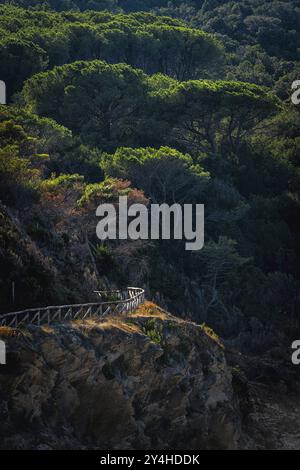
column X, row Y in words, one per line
column 153, row 330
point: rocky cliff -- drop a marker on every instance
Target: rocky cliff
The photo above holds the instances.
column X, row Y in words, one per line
column 146, row 381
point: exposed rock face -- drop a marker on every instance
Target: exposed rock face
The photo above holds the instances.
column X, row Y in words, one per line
column 146, row 381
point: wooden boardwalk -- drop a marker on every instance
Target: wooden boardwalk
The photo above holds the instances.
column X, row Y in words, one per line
column 112, row 302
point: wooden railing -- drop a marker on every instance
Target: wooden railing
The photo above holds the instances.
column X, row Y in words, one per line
column 112, row 302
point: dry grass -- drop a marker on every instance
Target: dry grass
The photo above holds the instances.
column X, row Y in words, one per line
column 121, row 324
column 7, row 332
column 210, row 332
column 149, row 309
column 47, row 329
column 124, row 323
column 107, row 323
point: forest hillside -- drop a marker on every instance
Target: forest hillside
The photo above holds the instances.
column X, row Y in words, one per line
column 185, row 101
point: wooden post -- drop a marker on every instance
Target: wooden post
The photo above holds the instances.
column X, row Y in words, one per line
column 13, row 292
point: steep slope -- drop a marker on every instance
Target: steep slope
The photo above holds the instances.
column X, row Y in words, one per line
column 146, row 381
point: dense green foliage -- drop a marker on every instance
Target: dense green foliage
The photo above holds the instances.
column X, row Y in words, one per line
column 110, row 103
column 39, row 40
column 261, row 37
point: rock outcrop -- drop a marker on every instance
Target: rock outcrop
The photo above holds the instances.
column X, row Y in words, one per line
column 144, row 381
